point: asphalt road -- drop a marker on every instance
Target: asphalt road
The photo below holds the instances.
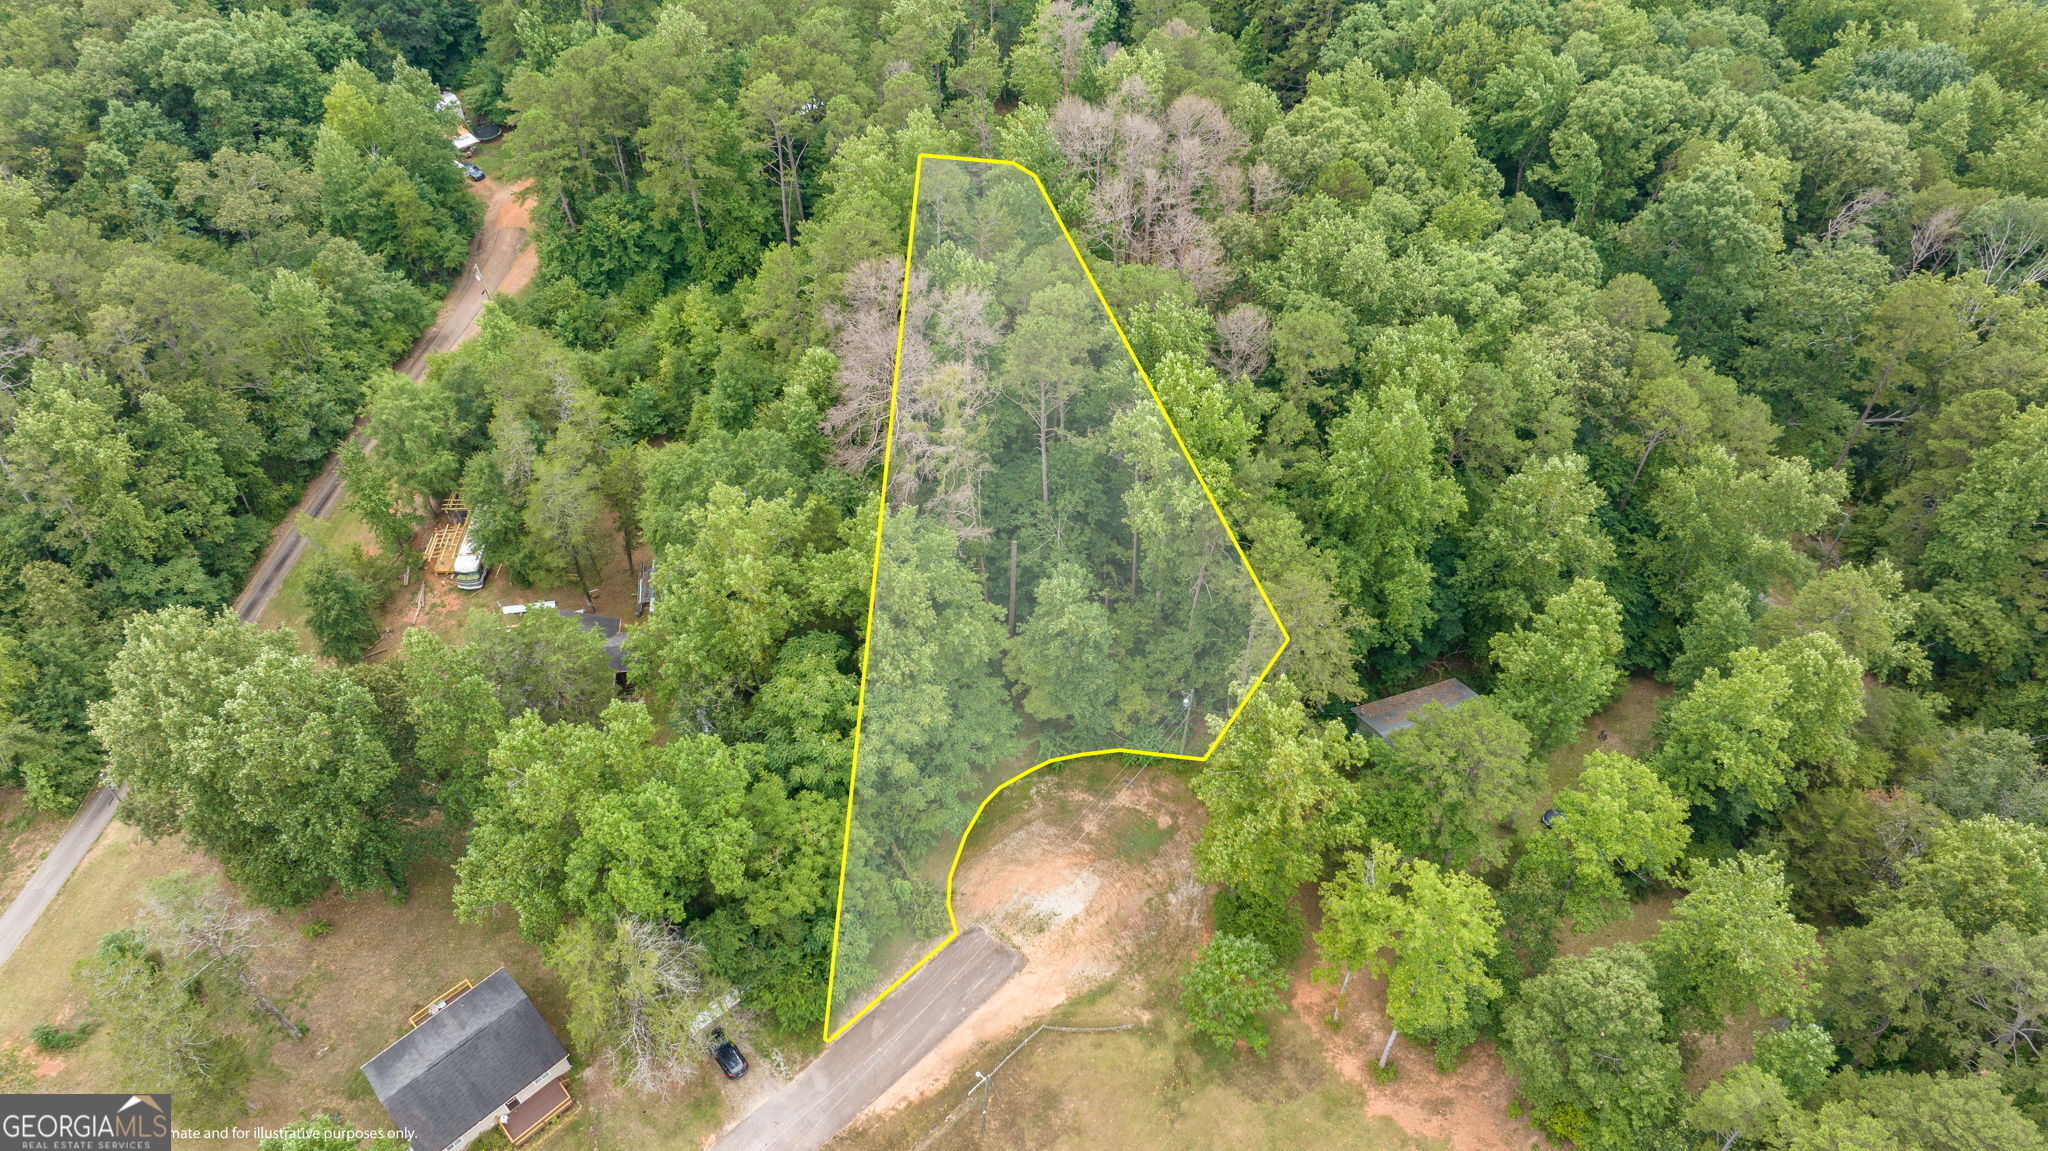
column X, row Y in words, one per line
column 882, row 1048
column 493, row 252
column 92, row 818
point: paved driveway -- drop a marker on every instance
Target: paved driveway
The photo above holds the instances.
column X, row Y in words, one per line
column 882, row 1048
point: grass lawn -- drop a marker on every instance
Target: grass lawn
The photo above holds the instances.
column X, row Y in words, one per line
column 1626, row 724
column 342, row 529
column 1153, row 1086
column 102, row 896
column 352, row 988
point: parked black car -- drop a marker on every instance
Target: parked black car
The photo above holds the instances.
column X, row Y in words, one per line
column 470, row 170
column 729, row 1058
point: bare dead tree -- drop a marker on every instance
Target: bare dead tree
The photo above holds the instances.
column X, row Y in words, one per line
column 1932, row 241
column 1244, row 335
column 201, row 918
column 1064, row 28
column 863, row 327
column 1852, row 214
column 2008, row 242
column 659, row 989
column 1156, row 176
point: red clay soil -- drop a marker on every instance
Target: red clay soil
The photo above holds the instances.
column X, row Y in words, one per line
column 1467, row 1108
column 1057, row 890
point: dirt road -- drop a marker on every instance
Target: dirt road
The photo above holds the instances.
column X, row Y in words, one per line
column 499, row 261
column 880, row 1049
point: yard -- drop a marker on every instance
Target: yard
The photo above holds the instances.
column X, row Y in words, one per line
column 352, row 986
column 1087, row 869
column 1100, row 831
column 1622, row 728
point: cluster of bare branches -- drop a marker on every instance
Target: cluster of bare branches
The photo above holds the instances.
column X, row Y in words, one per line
column 2008, row 241
column 658, row 994
column 863, row 326
column 204, row 922
column 939, row 438
column 1244, row 340
column 1156, row 176
column 942, row 386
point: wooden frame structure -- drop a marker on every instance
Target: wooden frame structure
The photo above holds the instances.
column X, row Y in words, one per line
column 444, row 538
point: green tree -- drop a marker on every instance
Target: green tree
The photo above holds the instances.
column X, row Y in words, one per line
column 1062, row 661
column 455, row 717
column 1886, row 981
column 1720, row 624
column 1561, row 667
column 269, row 762
column 1747, row 1107
column 1864, row 609
column 1732, row 945
column 1997, row 998
column 1987, row 543
column 1718, row 522
column 1385, row 499
column 1619, row 816
column 750, row 572
column 1987, row 772
column 1586, row 1042
column 341, row 605
column 1473, row 767
column 1535, row 538
column 1230, row 989
column 548, row 663
column 1798, row 1055
column 1965, row 1112
column 417, row 427
column 601, row 822
column 1274, row 795
column 1725, row 738
column 1980, row 873
column 1442, row 929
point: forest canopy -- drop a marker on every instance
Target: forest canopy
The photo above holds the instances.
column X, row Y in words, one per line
column 1557, row 346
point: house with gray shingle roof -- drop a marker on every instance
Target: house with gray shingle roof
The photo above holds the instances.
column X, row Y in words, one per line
column 477, row 1057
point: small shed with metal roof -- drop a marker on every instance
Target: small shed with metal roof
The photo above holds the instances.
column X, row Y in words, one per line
column 1384, row 717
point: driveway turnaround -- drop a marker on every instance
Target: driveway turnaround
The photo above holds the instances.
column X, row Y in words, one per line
column 878, row 1050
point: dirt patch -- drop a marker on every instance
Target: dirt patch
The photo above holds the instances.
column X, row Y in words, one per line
column 1055, row 890
column 442, row 608
column 512, row 210
column 1093, row 904
column 1622, row 728
column 1467, row 1109
column 1641, row 921
column 1710, row 1055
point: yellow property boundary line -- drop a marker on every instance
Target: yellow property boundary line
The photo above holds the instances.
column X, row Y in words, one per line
column 874, row 576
